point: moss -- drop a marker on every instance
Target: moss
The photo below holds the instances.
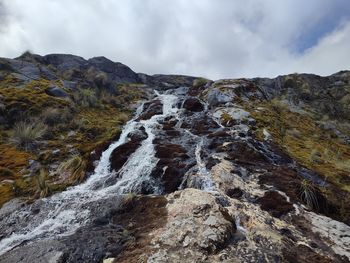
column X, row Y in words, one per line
column 30, row 99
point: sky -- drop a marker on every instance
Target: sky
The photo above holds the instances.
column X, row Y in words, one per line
column 209, row 38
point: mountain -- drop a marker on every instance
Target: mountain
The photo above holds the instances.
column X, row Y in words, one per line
column 99, row 163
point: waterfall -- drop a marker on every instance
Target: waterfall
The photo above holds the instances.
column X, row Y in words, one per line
column 63, row 213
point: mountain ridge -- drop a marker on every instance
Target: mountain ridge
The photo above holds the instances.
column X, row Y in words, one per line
column 170, row 168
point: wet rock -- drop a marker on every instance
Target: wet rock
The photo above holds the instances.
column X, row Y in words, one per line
column 141, row 217
column 242, row 152
column 41, row 252
column 152, row 108
column 172, row 165
column 138, row 135
column 121, row 154
column 193, row 104
column 275, row 204
column 303, row 253
column 170, row 151
column 200, row 125
column 234, row 193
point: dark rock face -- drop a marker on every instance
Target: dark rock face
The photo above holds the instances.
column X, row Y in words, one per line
column 275, row 204
column 121, row 154
column 56, row 92
column 116, row 72
column 152, row 108
column 200, row 125
column 172, row 165
column 139, row 217
column 193, row 104
column 234, row 193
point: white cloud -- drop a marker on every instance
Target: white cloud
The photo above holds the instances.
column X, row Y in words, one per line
column 331, row 54
column 213, row 38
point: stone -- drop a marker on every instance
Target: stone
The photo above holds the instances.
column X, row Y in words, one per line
column 275, row 204
column 193, row 104
column 56, row 92
column 152, row 108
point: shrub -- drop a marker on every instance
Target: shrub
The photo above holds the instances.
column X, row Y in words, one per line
column 26, row 134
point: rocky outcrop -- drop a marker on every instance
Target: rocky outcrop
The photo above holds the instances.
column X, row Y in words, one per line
column 152, row 108
column 234, row 170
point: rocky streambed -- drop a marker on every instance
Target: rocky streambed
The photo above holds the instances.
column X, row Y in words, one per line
column 188, row 180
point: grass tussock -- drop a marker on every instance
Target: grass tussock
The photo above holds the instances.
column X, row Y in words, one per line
column 43, row 189
column 26, row 135
column 73, row 168
column 86, row 98
column 308, row 194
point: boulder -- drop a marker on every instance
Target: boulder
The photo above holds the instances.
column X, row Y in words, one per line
column 275, row 204
column 193, row 104
column 155, row 107
column 56, row 92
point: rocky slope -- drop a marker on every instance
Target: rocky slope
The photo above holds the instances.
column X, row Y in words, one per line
column 236, row 170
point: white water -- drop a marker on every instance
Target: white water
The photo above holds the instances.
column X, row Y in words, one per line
column 207, row 183
column 63, row 213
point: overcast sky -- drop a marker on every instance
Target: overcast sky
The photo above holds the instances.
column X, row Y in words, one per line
column 212, row 38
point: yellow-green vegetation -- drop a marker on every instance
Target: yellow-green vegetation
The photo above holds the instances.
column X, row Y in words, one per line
column 73, row 169
column 30, row 99
column 54, row 130
column 308, row 194
column 25, row 134
column 197, row 83
column 43, row 189
column 225, row 117
column 304, row 140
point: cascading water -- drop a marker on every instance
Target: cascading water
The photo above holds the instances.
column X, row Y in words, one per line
column 63, row 213
column 207, row 182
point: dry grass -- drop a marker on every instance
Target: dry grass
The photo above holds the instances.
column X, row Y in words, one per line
column 26, row 135
column 311, row 146
column 73, row 168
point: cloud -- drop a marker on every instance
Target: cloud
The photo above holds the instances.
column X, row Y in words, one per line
column 211, row 38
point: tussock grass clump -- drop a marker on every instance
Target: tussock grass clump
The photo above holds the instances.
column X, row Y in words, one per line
column 54, row 116
column 74, row 168
column 86, row 98
column 43, row 189
column 308, row 194
column 27, row 134
column 200, row 82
